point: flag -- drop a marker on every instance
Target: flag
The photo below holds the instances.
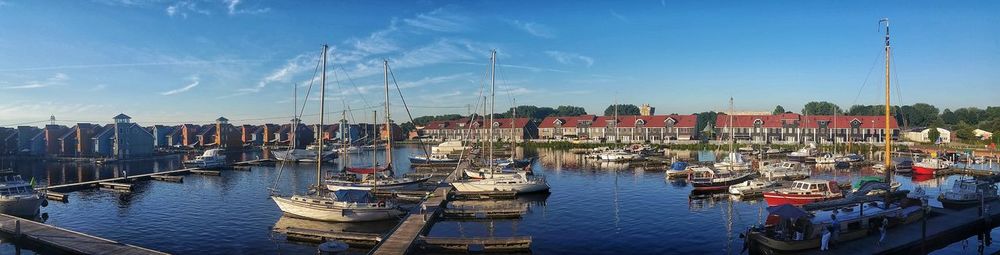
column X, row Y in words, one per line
column 32, row 183
column 939, row 141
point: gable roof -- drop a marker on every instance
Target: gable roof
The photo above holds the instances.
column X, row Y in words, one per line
column 567, row 121
column 654, row 121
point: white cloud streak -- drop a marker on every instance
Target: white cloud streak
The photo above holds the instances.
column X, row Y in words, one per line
column 569, row 58
column 194, row 83
column 56, row 79
column 231, row 6
column 163, row 63
column 619, row 16
column 533, row 28
column 182, row 9
column 440, row 20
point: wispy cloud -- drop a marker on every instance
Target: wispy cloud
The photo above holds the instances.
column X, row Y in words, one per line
column 232, row 7
column 194, row 83
column 377, row 42
column 162, row 63
column 99, row 87
column 569, row 58
column 182, row 9
column 533, row 28
column 291, row 68
column 440, row 20
column 56, row 79
column 619, row 16
column 40, row 110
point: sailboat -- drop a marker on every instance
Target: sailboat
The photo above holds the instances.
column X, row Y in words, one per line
column 494, row 178
column 342, row 205
column 375, row 177
column 734, row 161
column 293, row 153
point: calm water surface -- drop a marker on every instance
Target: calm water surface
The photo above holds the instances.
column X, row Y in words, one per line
column 593, row 209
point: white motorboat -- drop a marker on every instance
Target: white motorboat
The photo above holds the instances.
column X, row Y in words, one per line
column 519, row 183
column 824, row 159
column 617, row 156
column 302, row 155
column 349, row 149
column 733, row 162
column 448, row 147
column 750, row 187
column 784, row 170
column 18, row 198
column 801, row 154
column 341, row 206
column 433, row 158
column 487, row 173
column 212, row 158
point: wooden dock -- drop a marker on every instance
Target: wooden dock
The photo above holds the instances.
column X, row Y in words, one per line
column 944, row 227
column 319, row 236
column 476, row 244
column 66, row 240
column 401, row 239
column 96, row 183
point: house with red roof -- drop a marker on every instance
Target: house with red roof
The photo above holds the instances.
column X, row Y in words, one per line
column 796, row 128
column 566, row 127
column 505, row 129
column 627, row 128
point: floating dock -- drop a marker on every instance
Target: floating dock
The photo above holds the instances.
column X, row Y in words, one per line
column 319, row 236
column 66, row 240
column 476, row 244
column 418, row 221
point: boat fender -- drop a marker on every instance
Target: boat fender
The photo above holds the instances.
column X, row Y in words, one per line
column 45, row 202
column 381, row 203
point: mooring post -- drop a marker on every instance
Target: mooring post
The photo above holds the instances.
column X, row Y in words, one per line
column 17, row 229
column 923, row 227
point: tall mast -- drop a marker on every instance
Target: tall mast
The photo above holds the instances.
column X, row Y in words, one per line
column 322, row 107
column 295, row 115
column 344, row 137
column 513, row 143
column 374, row 143
column 732, row 132
column 617, row 134
column 888, row 130
column 388, row 125
column 493, row 88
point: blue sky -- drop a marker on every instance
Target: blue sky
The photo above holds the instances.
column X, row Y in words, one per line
column 164, row 62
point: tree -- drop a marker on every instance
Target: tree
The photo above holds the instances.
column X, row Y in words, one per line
column 933, row 134
column 964, row 131
column 778, row 110
column 821, row 108
column 704, row 119
column 623, row 109
column 529, row 111
column 568, row 110
column 970, row 115
column 949, row 117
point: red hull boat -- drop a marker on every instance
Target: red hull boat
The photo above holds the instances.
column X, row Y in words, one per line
column 804, row 192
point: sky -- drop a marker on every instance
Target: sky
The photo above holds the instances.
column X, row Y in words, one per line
column 190, row 61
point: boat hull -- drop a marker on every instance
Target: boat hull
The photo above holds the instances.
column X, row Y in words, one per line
column 420, row 160
column 368, row 186
column 720, row 185
column 517, row 187
column 22, row 206
column 775, row 199
column 332, row 213
column 923, row 170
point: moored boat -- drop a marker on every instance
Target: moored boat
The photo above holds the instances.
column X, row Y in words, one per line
column 18, row 197
column 212, row 158
column 788, row 170
column 704, row 178
column 750, row 187
column 930, row 166
column 966, row 193
column 804, row 192
column 519, row 183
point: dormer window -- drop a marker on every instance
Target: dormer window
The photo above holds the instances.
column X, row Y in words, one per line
column 639, row 122
column 757, row 123
column 855, row 123
column 496, row 124
column 558, row 122
column 670, row 122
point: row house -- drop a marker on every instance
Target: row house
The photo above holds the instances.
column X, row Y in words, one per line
column 78, row 142
column 123, row 139
column 221, row 135
column 506, row 129
column 302, row 136
column 796, row 128
column 160, row 134
column 630, row 128
column 8, row 141
column 28, row 139
column 397, row 132
column 251, row 135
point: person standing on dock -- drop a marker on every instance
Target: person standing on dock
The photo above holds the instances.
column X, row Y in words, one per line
column 825, row 242
column 881, row 230
column 834, row 227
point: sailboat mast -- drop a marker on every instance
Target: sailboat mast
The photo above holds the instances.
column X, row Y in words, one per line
column 322, row 107
column 374, row 143
column 888, row 130
column 493, row 88
column 295, row 115
column 732, row 132
column 388, row 125
column 513, row 143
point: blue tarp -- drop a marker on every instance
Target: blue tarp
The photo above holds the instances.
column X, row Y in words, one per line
column 356, row 196
column 679, row 166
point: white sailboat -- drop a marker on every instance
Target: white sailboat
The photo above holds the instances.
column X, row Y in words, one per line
column 341, row 206
column 734, row 161
column 293, row 153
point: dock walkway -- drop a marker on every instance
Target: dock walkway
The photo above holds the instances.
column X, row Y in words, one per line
column 66, row 240
column 944, row 226
column 401, row 239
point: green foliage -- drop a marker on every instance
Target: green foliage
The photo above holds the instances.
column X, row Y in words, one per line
column 933, row 134
column 705, row 119
column 623, row 109
column 964, row 131
column 529, row 111
column 949, row 117
column 423, row 120
column 778, row 110
column 821, row 108
column 569, row 110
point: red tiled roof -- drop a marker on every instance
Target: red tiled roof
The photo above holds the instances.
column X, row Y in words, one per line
column 464, row 122
column 845, row 121
column 568, row 121
column 767, row 121
column 810, row 121
column 650, row 121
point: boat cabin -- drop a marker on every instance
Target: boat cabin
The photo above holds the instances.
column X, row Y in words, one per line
column 813, row 186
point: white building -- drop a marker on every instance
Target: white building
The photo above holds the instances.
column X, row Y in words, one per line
column 982, row 134
column 921, row 136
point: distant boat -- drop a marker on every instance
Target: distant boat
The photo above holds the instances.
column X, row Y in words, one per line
column 930, row 166
column 784, row 170
column 434, row 158
column 370, row 180
column 212, row 158
column 302, row 155
column 519, row 183
column 704, row 178
column 965, row 193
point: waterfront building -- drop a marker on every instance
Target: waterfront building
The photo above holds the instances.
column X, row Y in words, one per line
column 504, row 129
column 51, row 134
column 160, row 134
column 220, row 135
column 566, row 127
column 302, row 136
column 922, row 135
column 26, row 139
column 627, row 128
column 78, row 142
column 251, row 135
column 8, row 141
column 124, row 139
column 796, row 128
column 397, row 132
column 268, row 132
column 982, row 134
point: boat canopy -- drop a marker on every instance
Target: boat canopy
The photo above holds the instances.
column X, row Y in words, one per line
column 353, row 196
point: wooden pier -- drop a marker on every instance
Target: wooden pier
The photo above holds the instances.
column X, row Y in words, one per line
column 476, row 244
column 943, row 227
column 66, row 240
column 319, row 236
column 485, row 211
column 401, row 239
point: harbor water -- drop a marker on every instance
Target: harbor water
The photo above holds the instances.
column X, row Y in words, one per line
column 593, row 208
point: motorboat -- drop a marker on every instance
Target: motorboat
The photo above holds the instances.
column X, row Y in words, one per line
column 751, row 187
column 677, row 168
column 801, row 154
column 900, row 165
column 302, row 155
column 339, row 206
column 733, row 162
column 704, row 178
column 512, row 162
column 349, row 149
column 18, row 197
column 617, row 156
column 449, row 147
column 930, row 165
column 966, row 193
column 856, row 221
column 519, row 183
column 788, row 170
column 371, row 178
column 488, row 173
column 823, row 159
column 804, row 192
column 861, row 183
column 212, row 158
column 432, row 158
column 850, row 158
